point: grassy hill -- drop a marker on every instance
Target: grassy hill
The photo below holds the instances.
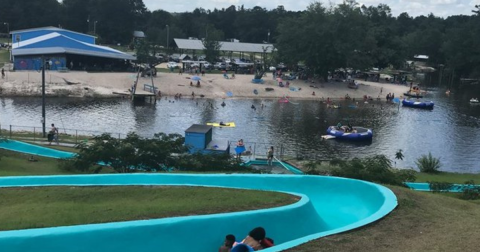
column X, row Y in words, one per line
column 421, row 222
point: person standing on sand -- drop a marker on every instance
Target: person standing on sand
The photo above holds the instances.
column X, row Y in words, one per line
column 3, row 73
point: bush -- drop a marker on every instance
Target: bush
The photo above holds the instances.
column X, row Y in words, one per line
column 375, row 169
column 209, row 162
column 407, row 175
column 428, row 164
column 470, row 191
column 440, row 186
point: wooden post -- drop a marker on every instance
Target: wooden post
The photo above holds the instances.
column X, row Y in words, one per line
column 153, row 88
column 134, row 88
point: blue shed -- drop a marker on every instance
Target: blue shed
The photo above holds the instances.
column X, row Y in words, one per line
column 199, row 139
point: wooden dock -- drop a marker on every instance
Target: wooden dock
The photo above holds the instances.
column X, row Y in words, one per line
column 139, row 93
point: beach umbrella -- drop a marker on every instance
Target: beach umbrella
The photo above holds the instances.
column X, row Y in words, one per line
column 195, row 78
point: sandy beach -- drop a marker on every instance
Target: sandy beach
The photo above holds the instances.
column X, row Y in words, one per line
column 83, row 84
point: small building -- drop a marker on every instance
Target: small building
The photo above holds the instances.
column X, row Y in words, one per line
column 199, row 139
column 63, row 49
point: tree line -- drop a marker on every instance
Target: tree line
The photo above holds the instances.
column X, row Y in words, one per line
column 323, row 37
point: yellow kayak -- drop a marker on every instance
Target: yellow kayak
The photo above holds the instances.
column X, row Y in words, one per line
column 225, row 124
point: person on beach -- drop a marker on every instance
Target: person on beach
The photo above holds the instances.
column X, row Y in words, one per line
column 3, row 73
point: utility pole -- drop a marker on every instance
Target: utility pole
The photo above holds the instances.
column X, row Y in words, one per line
column 43, row 96
column 168, row 35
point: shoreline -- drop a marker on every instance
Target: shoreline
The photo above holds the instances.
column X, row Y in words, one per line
column 80, row 84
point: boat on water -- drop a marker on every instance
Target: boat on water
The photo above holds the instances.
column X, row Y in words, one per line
column 418, row 104
column 474, row 100
column 357, row 134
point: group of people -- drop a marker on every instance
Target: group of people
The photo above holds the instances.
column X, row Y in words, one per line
column 198, row 83
column 347, row 129
column 390, row 97
column 254, row 241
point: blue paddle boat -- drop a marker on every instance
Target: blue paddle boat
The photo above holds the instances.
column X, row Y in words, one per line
column 357, row 134
column 418, row 104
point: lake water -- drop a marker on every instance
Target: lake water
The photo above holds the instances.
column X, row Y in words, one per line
column 450, row 132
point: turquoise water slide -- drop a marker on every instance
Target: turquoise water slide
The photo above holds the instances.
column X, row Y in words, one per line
column 33, row 149
column 328, row 205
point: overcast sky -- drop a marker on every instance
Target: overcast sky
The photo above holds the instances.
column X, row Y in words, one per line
column 442, row 8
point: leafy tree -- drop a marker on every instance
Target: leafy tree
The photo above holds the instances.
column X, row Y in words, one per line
column 212, row 44
column 477, row 11
column 130, row 154
column 144, row 51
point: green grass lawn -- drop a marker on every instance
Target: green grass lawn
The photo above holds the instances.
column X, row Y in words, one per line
column 17, row 164
column 38, row 207
column 456, row 178
column 421, row 222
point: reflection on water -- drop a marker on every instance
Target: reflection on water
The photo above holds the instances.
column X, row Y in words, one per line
column 449, row 132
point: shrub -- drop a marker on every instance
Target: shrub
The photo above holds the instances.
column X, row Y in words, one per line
column 375, row 169
column 428, row 164
column 470, row 191
column 440, row 186
column 209, row 162
column 406, row 175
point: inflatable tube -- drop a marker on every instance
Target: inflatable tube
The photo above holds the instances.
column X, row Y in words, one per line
column 359, row 134
column 421, row 105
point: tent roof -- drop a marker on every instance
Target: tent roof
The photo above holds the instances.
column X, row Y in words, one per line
column 225, row 46
column 55, row 42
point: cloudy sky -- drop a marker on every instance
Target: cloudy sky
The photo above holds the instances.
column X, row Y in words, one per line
column 442, row 8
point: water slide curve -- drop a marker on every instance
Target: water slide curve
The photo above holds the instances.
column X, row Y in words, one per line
column 328, row 205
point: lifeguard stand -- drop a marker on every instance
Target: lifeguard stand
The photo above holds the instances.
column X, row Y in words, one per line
column 199, row 139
